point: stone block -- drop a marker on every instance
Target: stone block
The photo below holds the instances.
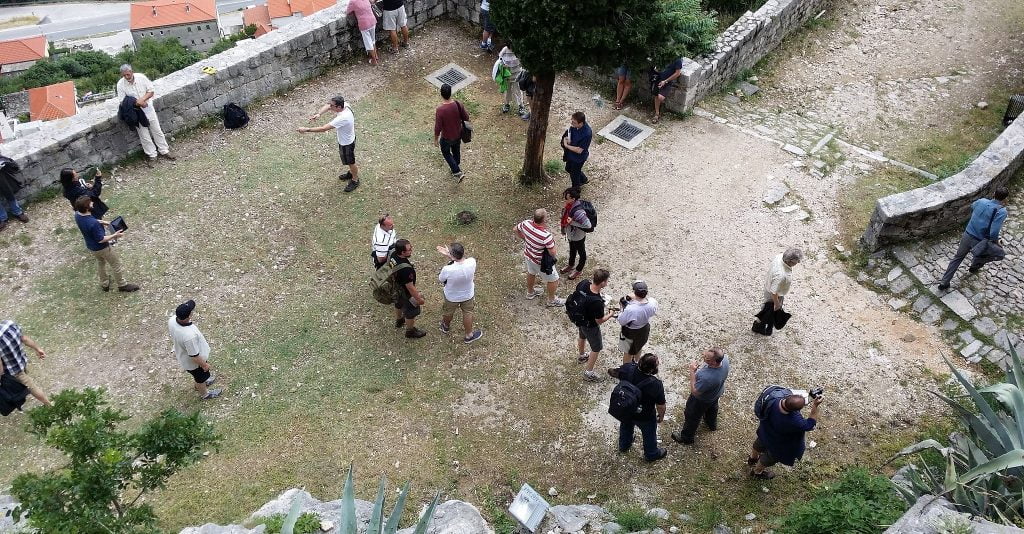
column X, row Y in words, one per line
column 960, row 305
column 931, row 314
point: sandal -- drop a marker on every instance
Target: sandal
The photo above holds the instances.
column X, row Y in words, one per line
column 566, row 269
column 763, row 475
column 575, row 275
column 617, row 105
column 655, row 119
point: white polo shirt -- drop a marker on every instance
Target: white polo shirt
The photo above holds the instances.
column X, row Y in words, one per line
column 458, row 280
column 137, row 89
column 345, row 125
column 188, row 341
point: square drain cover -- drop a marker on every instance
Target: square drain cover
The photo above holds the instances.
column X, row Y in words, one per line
column 626, row 132
column 453, row 75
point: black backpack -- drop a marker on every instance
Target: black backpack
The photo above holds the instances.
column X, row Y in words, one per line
column 769, row 397
column 575, row 304
column 591, row 212
column 235, row 116
column 625, row 400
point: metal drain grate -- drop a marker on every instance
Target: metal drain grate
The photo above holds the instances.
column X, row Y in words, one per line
column 626, row 131
column 452, row 77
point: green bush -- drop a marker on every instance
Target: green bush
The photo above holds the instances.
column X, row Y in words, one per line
column 308, row 523
column 860, row 503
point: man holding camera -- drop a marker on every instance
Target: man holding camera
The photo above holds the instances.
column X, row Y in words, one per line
column 98, row 242
column 635, row 318
column 588, row 313
column 780, row 436
column 706, row 386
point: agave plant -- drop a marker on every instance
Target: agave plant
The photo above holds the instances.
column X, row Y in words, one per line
column 984, row 466
column 347, row 519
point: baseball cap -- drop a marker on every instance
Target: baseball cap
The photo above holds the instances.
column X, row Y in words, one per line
column 184, row 310
column 640, row 285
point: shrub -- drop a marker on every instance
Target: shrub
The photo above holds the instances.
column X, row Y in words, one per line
column 307, row 523
column 733, row 7
column 633, row 519
column 859, row 503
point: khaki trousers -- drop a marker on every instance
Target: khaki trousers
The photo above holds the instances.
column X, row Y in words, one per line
column 152, row 137
column 104, row 258
column 27, row 381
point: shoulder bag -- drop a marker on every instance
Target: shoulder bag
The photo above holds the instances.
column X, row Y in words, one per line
column 987, row 250
column 467, row 127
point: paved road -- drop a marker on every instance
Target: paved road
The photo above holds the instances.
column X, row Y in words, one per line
column 80, row 20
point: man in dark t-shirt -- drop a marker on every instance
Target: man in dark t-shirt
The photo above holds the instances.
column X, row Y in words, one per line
column 407, row 307
column 594, row 315
column 98, row 243
column 663, row 87
column 652, row 403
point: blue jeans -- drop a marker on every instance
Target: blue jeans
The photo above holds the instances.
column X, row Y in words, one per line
column 13, row 207
column 451, row 152
column 649, row 432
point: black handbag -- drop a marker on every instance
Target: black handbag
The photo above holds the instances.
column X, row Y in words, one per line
column 987, row 250
column 547, row 262
column 467, row 127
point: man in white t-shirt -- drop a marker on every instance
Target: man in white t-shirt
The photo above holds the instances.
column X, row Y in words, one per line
column 382, row 243
column 139, row 87
column 191, row 349
column 344, row 124
column 459, row 290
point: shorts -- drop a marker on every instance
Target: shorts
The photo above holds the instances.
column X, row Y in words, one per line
column 449, row 307
column 409, row 310
column 534, row 269
column 632, row 340
column 622, row 72
column 348, row 153
column 394, row 19
column 593, row 336
column 667, row 90
column 766, row 459
column 199, row 374
column 369, row 38
column 485, row 21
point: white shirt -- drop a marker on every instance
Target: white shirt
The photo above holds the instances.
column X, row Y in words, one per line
column 638, row 314
column 779, row 278
column 485, row 5
column 188, row 341
column 458, row 280
column 137, row 89
column 382, row 241
column 344, row 124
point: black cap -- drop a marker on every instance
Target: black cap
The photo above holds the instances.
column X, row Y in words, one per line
column 640, row 286
column 184, row 310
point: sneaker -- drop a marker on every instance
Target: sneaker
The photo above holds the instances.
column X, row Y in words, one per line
column 151, row 162
column 458, row 177
column 658, row 455
column 591, row 376
column 763, row 475
column 751, row 461
column 24, row 218
column 477, row 334
column 505, row 108
column 575, row 275
column 415, row 333
column 943, row 287
column 3, row 224
column 444, row 328
column 211, row 380
column 556, row 302
column 404, row 44
column 400, row 322
column 352, row 186
column 532, row 294
column 167, row 156
column 969, row 269
column 212, row 394
column 678, row 438
column 584, row 356
column 128, row 288
column 392, row 50
column 345, row 176
column 483, row 46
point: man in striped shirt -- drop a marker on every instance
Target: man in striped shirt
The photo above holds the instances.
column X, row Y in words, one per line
column 15, row 362
column 537, row 239
column 383, row 240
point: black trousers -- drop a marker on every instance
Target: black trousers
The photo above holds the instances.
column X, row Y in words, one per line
column 578, row 247
column 576, row 175
column 696, row 410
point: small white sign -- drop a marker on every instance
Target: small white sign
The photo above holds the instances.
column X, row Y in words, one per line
column 528, row 508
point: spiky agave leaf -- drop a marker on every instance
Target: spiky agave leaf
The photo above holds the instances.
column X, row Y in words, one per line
column 1010, row 396
column 347, row 519
column 1009, row 460
column 377, row 516
column 983, row 407
column 428, row 515
column 288, row 527
column 396, row 515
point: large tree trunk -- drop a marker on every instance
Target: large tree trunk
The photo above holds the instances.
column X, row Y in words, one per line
column 540, row 108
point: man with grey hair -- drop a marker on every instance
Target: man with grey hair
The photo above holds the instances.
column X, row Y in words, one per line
column 139, row 87
column 344, row 124
column 776, row 287
column 539, row 257
column 707, row 384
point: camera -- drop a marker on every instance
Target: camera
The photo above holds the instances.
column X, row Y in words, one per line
column 816, row 393
column 624, row 301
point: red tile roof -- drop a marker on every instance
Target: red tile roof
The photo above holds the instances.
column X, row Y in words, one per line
column 287, row 8
column 161, row 13
column 20, row 50
column 52, row 102
column 279, row 8
column 256, row 15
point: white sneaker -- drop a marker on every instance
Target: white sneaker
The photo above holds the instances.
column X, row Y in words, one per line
column 590, row 376
column 212, row 394
column 530, row 295
column 556, row 302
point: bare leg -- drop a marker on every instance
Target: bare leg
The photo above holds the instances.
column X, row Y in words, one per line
column 552, row 287
column 394, row 40
column 580, row 345
column 354, row 169
column 627, row 86
column 467, row 323
column 531, row 280
column 201, row 388
column 446, row 320
column 405, row 34
column 592, row 360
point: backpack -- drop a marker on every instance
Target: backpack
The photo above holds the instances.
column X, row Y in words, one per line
column 771, row 395
column 235, row 116
column 382, row 283
column 625, row 400
column 574, row 306
column 591, row 212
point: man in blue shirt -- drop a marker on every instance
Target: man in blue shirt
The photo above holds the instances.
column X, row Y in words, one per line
column 987, row 217
column 576, row 147
column 98, row 242
column 780, row 436
column 706, row 386
column 663, row 87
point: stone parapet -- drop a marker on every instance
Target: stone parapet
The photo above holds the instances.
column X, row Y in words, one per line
column 253, row 69
column 946, row 204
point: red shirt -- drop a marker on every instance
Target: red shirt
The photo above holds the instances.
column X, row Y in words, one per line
column 537, row 238
column 448, row 120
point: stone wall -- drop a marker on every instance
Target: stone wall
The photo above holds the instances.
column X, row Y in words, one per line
column 198, row 36
column 738, row 48
column 15, row 104
column 253, row 69
column 946, row 204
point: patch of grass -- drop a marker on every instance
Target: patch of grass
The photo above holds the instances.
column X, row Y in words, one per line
column 857, row 200
column 1014, row 321
column 17, row 22
column 25, row 239
column 498, row 517
column 308, row 523
column 633, row 518
column 468, row 101
column 860, row 502
column 553, row 166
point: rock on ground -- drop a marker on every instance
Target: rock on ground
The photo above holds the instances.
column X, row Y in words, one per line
column 929, row 512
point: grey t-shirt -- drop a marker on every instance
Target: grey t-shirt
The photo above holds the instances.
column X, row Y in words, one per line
column 711, row 381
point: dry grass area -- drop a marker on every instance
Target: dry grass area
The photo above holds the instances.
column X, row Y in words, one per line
column 19, row 21
column 254, row 226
